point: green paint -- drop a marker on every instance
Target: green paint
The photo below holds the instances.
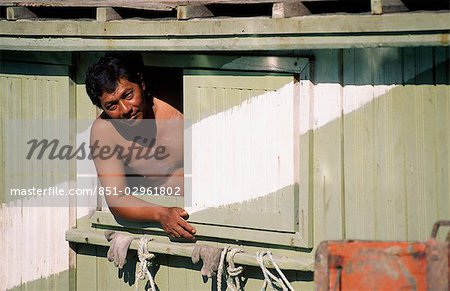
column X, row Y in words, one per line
column 172, row 273
column 258, row 213
column 59, row 281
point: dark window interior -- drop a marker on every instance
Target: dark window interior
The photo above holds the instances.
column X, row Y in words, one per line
column 166, row 84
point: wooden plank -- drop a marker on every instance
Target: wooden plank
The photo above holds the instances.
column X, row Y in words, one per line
column 442, row 120
column 221, row 44
column 359, row 144
column 376, row 6
column 193, row 11
column 427, row 140
column 328, row 179
column 107, row 14
column 390, row 200
column 86, row 272
column 387, row 6
column 296, row 261
column 394, row 6
column 232, row 233
column 350, row 24
column 138, row 4
column 15, row 13
column 227, row 62
column 306, row 155
column 289, row 9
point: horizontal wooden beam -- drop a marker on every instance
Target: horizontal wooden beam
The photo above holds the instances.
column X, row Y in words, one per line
column 223, row 44
column 137, row 4
column 301, row 262
column 331, row 31
column 314, row 24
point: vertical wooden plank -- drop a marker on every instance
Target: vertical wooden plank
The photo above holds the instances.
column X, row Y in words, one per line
column 178, row 279
column 327, row 147
column 426, row 92
column 162, row 276
column 44, row 89
column 420, row 153
column 16, row 13
column 409, row 122
column 15, row 109
column 359, row 144
column 442, row 120
column 107, row 14
column 3, row 88
column 289, row 9
column 391, row 212
column 71, row 212
column 193, row 11
column 6, row 239
column 306, row 157
column 376, row 6
column 392, row 76
column 105, row 271
column 3, row 244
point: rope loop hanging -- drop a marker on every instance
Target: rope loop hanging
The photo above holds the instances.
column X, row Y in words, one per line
column 282, row 282
column 233, row 272
column 145, row 258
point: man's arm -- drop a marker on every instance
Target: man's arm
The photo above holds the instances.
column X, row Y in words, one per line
column 111, row 173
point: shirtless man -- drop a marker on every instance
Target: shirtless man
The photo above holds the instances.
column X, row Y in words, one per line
column 142, row 138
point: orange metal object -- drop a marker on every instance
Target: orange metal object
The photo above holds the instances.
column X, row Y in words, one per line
column 373, row 265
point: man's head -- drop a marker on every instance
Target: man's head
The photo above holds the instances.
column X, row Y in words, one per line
column 116, row 84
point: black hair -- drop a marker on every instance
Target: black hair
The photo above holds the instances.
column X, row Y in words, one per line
column 103, row 76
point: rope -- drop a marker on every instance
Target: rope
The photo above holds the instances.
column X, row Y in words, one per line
column 267, row 281
column 289, row 286
column 220, row 269
column 233, row 272
column 144, row 262
column 268, row 276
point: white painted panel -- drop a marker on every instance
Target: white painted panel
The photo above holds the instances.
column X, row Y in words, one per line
column 32, row 232
column 243, row 140
column 228, row 144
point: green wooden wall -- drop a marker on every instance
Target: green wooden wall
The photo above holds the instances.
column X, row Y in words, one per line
column 378, row 155
column 381, row 171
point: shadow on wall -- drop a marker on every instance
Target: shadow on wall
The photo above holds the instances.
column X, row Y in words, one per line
column 383, row 66
column 382, row 168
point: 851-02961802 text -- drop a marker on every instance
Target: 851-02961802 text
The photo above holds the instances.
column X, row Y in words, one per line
column 140, row 191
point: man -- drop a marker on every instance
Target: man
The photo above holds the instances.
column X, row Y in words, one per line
column 136, row 144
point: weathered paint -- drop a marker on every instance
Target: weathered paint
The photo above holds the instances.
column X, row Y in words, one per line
column 32, row 232
column 246, row 34
column 378, row 168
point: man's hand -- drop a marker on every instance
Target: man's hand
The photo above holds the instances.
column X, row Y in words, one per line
column 173, row 221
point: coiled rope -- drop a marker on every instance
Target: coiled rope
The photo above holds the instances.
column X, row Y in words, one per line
column 233, row 272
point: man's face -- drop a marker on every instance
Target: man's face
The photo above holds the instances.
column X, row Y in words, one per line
column 126, row 102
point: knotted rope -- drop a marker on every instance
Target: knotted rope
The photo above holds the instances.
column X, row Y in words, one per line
column 233, row 272
column 145, row 258
column 268, row 276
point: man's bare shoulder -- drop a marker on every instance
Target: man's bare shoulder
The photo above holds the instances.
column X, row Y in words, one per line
column 102, row 129
column 164, row 110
